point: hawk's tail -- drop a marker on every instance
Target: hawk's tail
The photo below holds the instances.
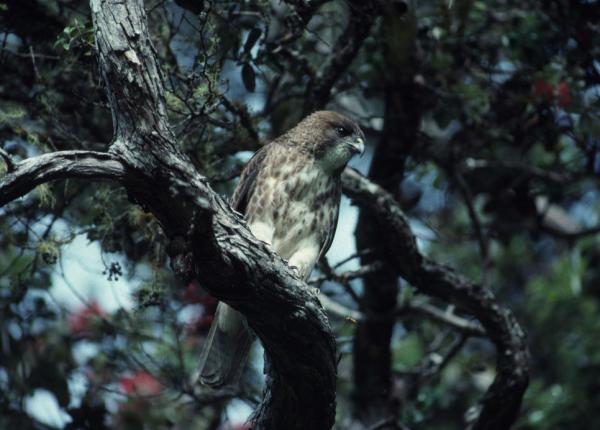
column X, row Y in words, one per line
column 226, row 349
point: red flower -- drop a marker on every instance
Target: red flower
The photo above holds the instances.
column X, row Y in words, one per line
column 192, row 295
column 140, row 383
column 563, row 95
column 80, row 321
column 543, row 90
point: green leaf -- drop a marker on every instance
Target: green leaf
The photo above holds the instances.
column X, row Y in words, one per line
column 408, row 352
column 248, row 77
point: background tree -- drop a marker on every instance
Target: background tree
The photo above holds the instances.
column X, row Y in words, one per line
column 482, row 121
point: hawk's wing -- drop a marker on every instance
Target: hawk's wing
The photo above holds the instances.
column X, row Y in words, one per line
column 330, row 234
column 229, row 339
column 245, row 187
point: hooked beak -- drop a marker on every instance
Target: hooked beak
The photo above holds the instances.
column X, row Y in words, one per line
column 357, row 146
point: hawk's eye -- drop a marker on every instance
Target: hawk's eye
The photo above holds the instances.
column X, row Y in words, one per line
column 342, row 131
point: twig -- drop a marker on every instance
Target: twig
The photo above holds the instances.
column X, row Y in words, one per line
column 463, row 326
column 433, row 363
column 35, row 69
column 344, row 278
column 242, row 113
column 362, row 16
column 468, row 198
column 304, row 11
column 349, row 275
column 482, row 239
column 447, row 318
column 526, row 169
column 30, row 54
column 359, row 254
column 340, row 310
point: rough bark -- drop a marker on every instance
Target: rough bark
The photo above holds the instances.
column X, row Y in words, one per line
column 500, row 406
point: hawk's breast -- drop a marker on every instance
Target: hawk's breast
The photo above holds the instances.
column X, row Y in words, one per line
column 300, row 201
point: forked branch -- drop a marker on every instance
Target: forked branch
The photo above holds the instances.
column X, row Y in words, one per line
column 27, row 174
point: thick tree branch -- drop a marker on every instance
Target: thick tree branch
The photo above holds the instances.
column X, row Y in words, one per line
column 500, row 406
column 213, row 244
column 34, row 171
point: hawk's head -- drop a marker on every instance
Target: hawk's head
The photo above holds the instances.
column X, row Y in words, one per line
column 331, row 137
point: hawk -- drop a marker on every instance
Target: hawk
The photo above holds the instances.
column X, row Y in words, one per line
column 290, row 193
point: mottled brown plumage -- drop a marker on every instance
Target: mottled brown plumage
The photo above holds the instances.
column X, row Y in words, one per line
column 290, row 193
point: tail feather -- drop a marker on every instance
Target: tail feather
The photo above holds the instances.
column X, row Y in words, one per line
column 226, row 349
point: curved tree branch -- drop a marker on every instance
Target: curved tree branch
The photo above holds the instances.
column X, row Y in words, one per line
column 27, row 174
column 213, row 244
column 500, row 406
